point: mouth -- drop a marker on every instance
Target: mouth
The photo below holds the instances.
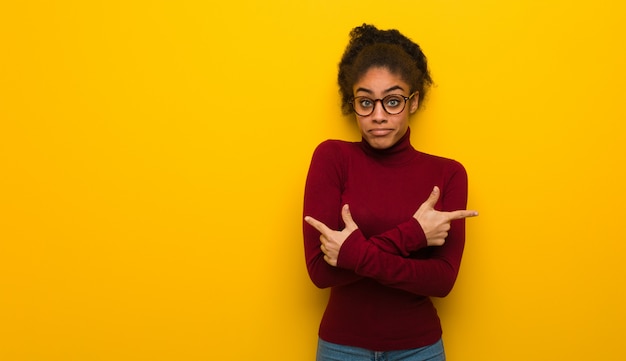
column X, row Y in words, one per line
column 380, row 132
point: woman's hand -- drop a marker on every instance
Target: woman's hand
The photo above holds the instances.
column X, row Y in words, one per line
column 437, row 224
column 333, row 240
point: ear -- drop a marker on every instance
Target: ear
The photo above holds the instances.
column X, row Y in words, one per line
column 413, row 105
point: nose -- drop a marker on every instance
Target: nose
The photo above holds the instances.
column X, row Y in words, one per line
column 379, row 115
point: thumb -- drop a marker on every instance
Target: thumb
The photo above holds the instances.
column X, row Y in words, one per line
column 347, row 218
column 432, row 198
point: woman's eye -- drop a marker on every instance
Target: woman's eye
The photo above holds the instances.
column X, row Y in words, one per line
column 365, row 103
column 393, row 102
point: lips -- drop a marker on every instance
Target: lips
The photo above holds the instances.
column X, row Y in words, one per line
column 380, row 132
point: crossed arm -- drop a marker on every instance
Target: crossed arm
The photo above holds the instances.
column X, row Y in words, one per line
column 375, row 258
column 435, row 225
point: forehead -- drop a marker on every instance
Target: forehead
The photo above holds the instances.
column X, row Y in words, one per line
column 379, row 80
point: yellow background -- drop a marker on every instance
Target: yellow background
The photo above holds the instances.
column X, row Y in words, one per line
column 153, row 156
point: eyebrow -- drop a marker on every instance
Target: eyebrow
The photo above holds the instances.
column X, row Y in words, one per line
column 395, row 87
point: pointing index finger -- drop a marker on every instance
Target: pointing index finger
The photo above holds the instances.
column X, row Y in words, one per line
column 462, row 214
column 321, row 227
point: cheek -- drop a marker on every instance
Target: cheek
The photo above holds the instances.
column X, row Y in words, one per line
column 402, row 121
column 359, row 122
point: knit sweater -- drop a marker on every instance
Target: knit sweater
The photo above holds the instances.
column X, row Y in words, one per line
column 385, row 271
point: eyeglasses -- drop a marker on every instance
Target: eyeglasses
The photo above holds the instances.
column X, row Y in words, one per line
column 392, row 104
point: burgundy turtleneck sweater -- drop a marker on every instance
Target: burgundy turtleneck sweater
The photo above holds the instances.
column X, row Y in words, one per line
column 385, row 272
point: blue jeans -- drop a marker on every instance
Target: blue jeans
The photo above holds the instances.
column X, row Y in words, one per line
column 327, row 351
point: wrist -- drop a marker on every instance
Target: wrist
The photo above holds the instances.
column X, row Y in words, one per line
column 351, row 250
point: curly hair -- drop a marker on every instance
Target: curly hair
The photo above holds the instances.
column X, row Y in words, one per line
column 370, row 47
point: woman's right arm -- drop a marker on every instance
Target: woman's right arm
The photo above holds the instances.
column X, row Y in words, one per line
column 322, row 201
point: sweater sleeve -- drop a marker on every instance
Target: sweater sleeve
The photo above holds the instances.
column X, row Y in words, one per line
column 322, row 201
column 433, row 275
column 402, row 240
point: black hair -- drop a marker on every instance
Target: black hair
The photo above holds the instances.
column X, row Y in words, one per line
column 370, row 47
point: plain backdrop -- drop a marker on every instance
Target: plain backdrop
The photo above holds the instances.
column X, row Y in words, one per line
column 153, row 157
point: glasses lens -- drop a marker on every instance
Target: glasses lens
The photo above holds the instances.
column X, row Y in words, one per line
column 393, row 104
column 363, row 105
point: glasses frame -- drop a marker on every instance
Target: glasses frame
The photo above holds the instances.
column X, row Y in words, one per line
column 382, row 103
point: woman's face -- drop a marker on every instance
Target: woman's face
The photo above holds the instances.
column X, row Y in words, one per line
column 381, row 129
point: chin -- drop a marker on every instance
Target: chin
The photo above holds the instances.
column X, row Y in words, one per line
column 381, row 143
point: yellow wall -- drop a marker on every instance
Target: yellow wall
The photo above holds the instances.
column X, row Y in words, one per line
column 153, row 155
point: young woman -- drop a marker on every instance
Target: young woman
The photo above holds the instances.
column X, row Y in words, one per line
column 384, row 223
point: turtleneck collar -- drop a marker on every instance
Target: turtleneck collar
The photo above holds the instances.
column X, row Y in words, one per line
column 397, row 154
